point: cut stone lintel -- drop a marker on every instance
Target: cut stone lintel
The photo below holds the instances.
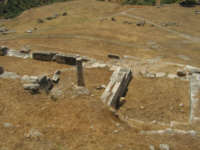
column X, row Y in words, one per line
column 117, row 87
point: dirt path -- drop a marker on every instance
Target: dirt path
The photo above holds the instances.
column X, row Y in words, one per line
column 186, row 36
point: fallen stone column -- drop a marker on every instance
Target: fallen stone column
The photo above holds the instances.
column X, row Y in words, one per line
column 80, row 78
column 117, row 87
column 195, row 98
column 44, row 56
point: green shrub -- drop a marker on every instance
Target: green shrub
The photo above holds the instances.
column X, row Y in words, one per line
column 139, row 2
column 14, row 8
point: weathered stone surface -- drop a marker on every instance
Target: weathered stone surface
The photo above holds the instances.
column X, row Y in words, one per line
column 15, row 53
column 164, row 147
column 80, row 77
column 117, row 87
column 69, row 59
column 3, row 29
column 1, row 70
column 44, row 56
column 56, row 78
column 151, row 147
column 113, row 56
column 33, row 133
column 30, row 79
column 172, row 76
column 9, row 75
column 32, row 87
column 25, row 50
column 3, row 50
column 160, row 74
column 194, row 98
column 45, row 83
column 140, row 23
column 181, row 73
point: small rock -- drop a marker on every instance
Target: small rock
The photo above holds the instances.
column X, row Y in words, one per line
column 150, row 75
column 64, row 14
column 113, row 19
column 142, row 107
column 172, row 76
column 154, row 122
column 181, row 73
column 7, row 125
column 56, row 78
column 115, row 131
column 160, row 74
column 151, row 147
column 33, row 133
column 140, row 23
column 49, row 18
column 113, row 56
column 25, row 50
column 117, row 124
column 181, row 104
column 40, row 21
column 33, row 86
column 29, row 31
column 101, row 87
column 127, row 22
column 58, row 72
column 3, row 29
column 164, row 147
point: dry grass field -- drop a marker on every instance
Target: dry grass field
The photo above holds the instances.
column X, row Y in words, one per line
column 81, row 122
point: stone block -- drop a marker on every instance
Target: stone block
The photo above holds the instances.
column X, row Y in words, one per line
column 69, row 59
column 112, row 56
column 44, row 56
column 117, row 87
column 3, row 50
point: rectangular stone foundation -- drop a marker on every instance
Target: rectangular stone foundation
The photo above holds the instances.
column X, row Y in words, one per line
column 117, row 87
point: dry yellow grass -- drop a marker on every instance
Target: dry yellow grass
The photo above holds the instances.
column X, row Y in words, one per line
column 83, row 123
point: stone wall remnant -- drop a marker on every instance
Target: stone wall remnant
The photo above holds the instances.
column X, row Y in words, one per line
column 117, row 87
column 69, row 59
column 44, row 56
column 80, row 77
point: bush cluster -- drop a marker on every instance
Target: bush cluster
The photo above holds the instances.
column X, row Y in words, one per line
column 15, row 7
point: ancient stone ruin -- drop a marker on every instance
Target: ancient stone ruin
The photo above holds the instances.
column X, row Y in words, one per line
column 3, row 50
column 117, row 87
column 80, row 78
